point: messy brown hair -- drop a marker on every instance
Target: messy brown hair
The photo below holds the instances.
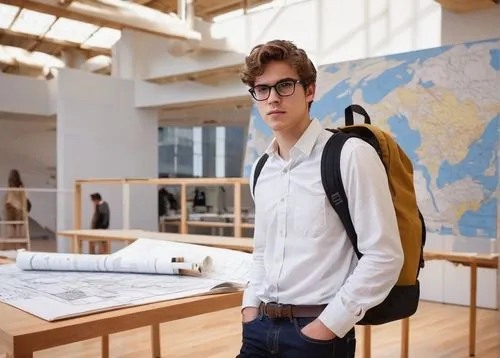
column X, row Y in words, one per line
column 278, row 50
column 15, row 179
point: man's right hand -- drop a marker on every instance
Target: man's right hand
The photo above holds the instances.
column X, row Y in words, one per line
column 249, row 314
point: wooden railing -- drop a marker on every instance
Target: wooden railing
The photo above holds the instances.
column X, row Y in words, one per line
column 184, row 223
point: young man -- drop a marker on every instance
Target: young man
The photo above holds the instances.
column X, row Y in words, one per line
column 100, row 219
column 307, row 289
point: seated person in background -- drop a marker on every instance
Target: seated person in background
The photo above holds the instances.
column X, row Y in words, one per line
column 199, row 200
column 100, row 219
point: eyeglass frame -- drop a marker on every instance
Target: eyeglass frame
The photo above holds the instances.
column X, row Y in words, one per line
column 292, row 80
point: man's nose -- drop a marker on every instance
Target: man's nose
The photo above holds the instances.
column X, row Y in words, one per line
column 273, row 96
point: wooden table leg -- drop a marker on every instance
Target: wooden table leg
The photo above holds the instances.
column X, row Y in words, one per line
column 472, row 308
column 405, row 335
column 75, row 243
column 105, row 346
column 367, row 341
column 155, row 341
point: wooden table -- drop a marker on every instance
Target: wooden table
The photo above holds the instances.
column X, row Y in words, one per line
column 472, row 260
column 22, row 334
column 129, row 236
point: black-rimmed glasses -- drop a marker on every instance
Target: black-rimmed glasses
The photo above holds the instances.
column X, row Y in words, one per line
column 284, row 88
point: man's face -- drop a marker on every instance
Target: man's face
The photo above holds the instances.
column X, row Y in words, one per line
column 288, row 110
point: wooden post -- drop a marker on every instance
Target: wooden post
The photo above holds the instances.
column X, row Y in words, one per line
column 77, row 207
column 237, row 209
column 405, row 336
column 367, row 341
column 105, row 346
column 472, row 308
column 184, row 211
column 155, row 341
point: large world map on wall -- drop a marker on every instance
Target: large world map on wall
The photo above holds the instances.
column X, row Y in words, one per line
column 442, row 105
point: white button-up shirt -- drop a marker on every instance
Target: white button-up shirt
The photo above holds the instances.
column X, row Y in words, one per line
column 302, row 254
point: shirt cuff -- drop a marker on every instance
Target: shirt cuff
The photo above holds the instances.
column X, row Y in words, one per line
column 339, row 318
column 250, row 299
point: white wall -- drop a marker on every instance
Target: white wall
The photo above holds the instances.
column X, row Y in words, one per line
column 335, row 30
column 30, row 147
column 21, row 94
column 477, row 25
column 102, row 135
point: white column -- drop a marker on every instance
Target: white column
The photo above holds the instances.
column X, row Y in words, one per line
column 220, row 152
column 197, row 152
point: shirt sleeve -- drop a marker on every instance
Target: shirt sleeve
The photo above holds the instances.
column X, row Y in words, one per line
column 257, row 271
column 374, row 218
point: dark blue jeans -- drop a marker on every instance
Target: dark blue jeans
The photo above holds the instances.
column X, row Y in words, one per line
column 265, row 337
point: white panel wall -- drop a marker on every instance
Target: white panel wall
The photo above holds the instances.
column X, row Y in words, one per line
column 102, row 135
column 477, row 25
column 336, row 30
column 22, row 94
column 30, row 147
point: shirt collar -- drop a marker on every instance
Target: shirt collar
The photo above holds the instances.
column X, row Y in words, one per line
column 306, row 142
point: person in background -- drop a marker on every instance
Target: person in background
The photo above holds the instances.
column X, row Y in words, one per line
column 15, row 204
column 100, row 220
column 199, row 199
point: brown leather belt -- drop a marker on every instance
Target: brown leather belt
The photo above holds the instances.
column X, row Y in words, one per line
column 278, row 310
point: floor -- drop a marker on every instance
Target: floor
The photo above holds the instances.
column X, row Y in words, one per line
column 436, row 331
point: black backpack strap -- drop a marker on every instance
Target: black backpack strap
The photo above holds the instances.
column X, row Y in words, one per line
column 258, row 169
column 349, row 114
column 332, row 183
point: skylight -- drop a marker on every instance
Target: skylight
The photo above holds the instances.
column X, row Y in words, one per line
column 71, row 30
column 52, row 27
column 7, row 15
column 11, row 55
column 33, row 22
column 104, row 38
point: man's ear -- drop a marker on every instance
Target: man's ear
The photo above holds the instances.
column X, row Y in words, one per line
column 310, row 92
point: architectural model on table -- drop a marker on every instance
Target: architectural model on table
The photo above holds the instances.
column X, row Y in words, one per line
column 56, row 294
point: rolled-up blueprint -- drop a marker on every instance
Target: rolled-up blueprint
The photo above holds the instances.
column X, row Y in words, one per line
column 45, row 261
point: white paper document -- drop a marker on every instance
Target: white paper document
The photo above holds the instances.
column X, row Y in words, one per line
column 54, row 287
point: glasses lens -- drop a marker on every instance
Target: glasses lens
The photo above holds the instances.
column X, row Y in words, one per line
column 285, row 88
column 261, row 92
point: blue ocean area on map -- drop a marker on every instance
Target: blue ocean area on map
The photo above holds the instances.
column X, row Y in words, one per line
column 472, row 222
column 481, row 155
column 338, row 98
column 375, row 89
column 495, row 59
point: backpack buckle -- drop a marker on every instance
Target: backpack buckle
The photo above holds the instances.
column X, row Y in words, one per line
column 336, row 198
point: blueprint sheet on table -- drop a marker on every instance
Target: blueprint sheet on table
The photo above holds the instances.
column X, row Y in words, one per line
column 54, row 295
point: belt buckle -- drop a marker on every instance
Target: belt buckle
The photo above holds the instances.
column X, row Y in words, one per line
column 278, row 310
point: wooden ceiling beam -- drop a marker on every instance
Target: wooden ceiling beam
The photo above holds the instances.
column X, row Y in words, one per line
column 464, row 6
column 116, row 14
column 199, row 76
column 229, row 6
column 26, row 41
